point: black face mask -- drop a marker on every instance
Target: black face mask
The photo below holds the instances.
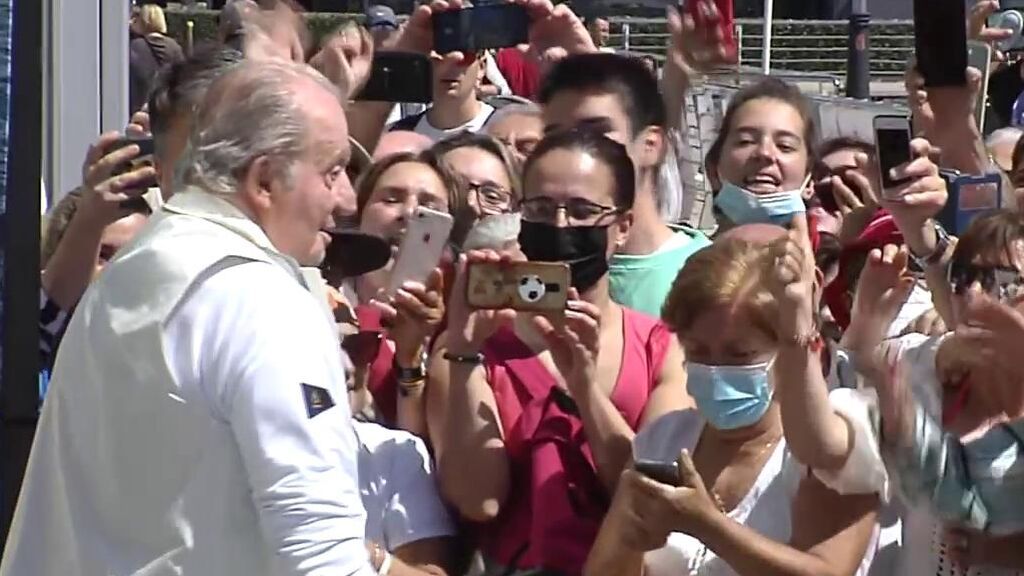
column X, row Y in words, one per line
column 583, row 248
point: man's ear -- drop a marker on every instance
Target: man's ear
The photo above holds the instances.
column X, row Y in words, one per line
column 651, row 147
column 256, row 183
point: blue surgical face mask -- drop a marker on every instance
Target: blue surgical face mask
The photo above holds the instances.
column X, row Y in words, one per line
column 730, row 397
column 742, row 206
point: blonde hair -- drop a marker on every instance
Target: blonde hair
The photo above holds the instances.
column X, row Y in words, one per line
column 152, row 19
column 731, row 272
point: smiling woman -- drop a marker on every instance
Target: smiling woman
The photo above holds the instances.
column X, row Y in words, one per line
column 763, row 156
column 386, row 196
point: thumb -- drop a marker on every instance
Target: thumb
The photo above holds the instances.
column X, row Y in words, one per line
column 688, row 475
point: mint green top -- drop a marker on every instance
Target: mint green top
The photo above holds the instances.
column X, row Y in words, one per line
column 642, row 282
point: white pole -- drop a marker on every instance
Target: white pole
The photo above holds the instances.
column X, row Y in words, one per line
column 766, row 49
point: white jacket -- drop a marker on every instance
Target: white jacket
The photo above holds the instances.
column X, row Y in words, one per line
column 189, row 426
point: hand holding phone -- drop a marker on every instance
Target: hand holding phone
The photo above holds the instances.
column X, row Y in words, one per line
column 426, row 236
column 716, row 18
column 483, row 27
column 524, row 286
column 892, row 141
column 664, row 472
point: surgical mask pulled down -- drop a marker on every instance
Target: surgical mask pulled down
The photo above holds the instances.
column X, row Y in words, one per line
column 730, row 397
column 742, row 206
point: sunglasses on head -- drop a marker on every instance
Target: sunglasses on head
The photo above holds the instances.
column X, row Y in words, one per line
column 1002, row 282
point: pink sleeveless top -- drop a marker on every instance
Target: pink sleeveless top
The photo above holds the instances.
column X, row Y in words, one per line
column 551, row 462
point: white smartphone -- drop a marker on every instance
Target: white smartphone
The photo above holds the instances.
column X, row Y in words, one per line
column 892, row 141
column 425, row 238
column 979, row 56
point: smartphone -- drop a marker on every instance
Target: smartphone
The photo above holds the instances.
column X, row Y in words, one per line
column 423, row 244
column 525, row 286
column 940, row 41
column 399, row 77
column 892, row 141
column 144, row 158
column 969, row 197
column 146, row 147
column 664, row 472
column 979, row 56
column 480, row 28
column 726, row 22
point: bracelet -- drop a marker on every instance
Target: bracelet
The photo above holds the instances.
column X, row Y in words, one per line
column 475, row 359
column 407, row 388
column 385, row 565
column 810, row 340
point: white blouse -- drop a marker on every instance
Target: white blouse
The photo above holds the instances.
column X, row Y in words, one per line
column 766, row 508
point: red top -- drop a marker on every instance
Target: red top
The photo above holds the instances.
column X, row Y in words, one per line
column 522, row 73
column 551, row 462
column 383, row 378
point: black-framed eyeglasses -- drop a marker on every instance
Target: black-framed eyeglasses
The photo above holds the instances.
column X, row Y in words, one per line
column 492, row 198
column 1002, row 282
column 578, row 211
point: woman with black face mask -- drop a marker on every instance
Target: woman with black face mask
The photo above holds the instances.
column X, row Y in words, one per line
column 531, row 417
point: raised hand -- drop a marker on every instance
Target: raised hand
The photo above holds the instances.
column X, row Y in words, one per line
column 574, row 341
column 694, row 48
column 994, row 332
column 978, row 28
column 346, row 59
column 884, row 285
column 791, row 278
column 417, row 35
column 921, row 197
column 856, row 198
column 555, row 31
column 657, row 509
column 103, row 191
column 470, row 328
column 413, row 315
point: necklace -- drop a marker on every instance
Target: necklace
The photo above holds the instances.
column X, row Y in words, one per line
column 719, row 501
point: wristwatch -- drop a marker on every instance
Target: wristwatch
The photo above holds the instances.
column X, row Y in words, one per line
column 410, row 375
column 942, row 243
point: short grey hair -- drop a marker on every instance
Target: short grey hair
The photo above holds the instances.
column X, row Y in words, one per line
column 1008, row 135
column 523, row 109
column 251, row 111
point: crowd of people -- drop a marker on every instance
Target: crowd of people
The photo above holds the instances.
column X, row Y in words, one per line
column 826, row 384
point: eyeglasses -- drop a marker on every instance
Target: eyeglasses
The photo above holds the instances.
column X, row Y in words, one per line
column 578, row 211
column 493, row 199
column 1002, row 282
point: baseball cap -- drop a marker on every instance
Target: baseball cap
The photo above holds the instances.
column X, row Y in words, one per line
column 379, row 15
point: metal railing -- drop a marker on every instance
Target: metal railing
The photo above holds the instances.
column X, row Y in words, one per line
column 801, row 45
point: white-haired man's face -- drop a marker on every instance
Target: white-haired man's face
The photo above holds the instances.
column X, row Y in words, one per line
column 297, row 208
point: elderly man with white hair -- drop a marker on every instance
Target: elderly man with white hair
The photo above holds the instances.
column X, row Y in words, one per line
column 197, row 421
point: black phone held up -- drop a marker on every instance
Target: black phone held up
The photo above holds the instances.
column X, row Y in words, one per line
column 893, row 151
column 940, row 42
column 399, row 77
column 481, row 28
column 664, row 472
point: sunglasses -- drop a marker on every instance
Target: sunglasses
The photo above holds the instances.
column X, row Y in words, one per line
column 1002, row 282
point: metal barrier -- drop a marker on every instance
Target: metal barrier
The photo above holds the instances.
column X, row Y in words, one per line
column 803, row 45
column 705, row 108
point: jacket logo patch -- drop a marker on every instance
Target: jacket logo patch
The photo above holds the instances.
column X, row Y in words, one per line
column 317, row 400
